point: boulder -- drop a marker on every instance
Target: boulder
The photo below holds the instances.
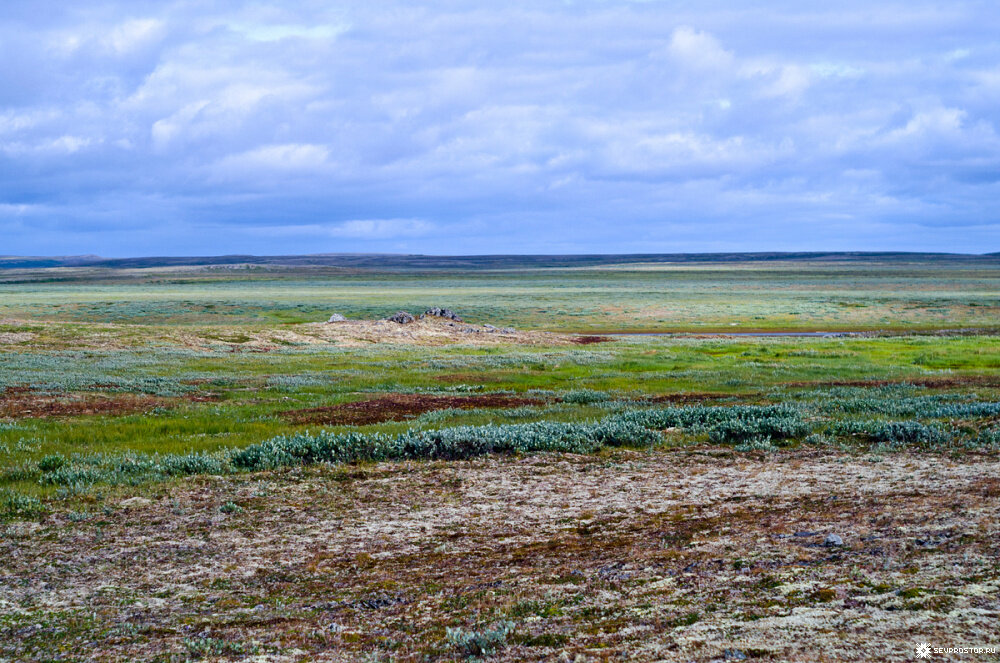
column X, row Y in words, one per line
column 402, row 317
column 336, row 317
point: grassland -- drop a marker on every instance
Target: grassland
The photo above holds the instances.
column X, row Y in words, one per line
column 895, row 295
column 192, row 469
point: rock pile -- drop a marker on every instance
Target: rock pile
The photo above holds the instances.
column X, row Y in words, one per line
column 402, row 317
column 336, row 317
column 441, row 313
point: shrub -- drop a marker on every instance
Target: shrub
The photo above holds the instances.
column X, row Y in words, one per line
column 13, row 505
column 894, row 433
column 51, row 463
column 585, row 396
column 211, row 647
column 755, row 444
column 193, row 463
column 231, row 507
column 480, row 643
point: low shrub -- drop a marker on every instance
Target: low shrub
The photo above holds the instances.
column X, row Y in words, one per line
column 480, row 643
column 14, row 505
column 51, row 463
column 585, row 396
column 893, row 433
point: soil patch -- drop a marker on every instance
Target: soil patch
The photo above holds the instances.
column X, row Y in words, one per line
column 15, row 404
column 589, row 340
column 397, row 407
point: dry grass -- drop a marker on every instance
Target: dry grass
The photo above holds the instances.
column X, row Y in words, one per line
column 428, row 331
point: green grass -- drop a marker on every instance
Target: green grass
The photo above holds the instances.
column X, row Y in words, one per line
column 254, row 388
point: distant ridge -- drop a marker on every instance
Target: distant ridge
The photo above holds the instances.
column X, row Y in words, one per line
column 419, row 261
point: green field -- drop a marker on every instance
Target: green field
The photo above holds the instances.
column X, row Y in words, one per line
column 270, row 468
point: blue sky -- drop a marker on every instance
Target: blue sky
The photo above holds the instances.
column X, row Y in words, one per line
column 219, row 126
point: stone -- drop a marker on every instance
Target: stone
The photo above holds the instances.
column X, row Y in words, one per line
column 442, row 313
column 402, row 317
column 490, row 328
column 336, row 317
column 833, row 540
column 734, row 655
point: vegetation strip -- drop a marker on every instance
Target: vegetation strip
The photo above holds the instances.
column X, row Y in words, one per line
column 747, row 427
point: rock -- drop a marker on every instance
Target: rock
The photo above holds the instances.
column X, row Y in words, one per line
column 336, row 317
column 442, row 313
column 833, row 540
column 135, row 503
column 507, row 330
column 402, row 317
column 734, row 655
column 490, row 328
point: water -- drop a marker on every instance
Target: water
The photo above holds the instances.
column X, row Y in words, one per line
column 816, row 334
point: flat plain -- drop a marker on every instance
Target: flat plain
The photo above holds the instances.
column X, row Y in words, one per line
column 195, row 466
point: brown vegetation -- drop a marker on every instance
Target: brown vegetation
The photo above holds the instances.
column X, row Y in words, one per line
column 397, row 407
column 588, row 340
column 23, row 404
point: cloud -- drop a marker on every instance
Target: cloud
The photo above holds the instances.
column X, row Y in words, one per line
column 370, row 229
column 451, row 126
column 272, row 160
column 699, row 50
column 265, row 32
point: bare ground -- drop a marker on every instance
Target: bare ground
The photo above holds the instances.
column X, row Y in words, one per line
column 674, row 556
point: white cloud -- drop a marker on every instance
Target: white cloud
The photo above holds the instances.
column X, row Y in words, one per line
column 296, row 159
column 132, row 34
column 370, row 229
column 699, row 50
column 272, row 32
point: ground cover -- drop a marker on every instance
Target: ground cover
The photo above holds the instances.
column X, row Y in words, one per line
column 219, row 486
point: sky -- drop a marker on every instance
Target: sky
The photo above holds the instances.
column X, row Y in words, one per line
column 206, row 127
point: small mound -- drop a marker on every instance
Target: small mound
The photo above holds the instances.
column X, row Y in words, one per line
column 398, row 407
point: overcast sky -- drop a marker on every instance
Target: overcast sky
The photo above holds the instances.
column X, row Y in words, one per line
column 220, row 126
